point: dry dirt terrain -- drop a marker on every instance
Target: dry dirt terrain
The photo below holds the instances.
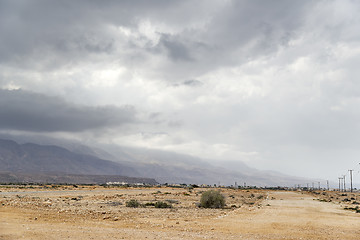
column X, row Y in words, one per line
column 101, row 213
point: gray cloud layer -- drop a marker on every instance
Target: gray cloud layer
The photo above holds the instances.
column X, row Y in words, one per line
column 22, row 110
column 202, row 37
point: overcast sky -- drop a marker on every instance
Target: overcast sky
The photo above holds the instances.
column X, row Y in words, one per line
column 272, row 83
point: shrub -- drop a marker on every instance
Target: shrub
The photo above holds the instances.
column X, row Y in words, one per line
column 133, row 203
column 260, row 197
column 149, row 204
column 212, row 199
column 160, row 204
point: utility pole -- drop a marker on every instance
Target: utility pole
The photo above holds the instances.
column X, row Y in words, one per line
column 351, row 180
column 344, row 183
column 340, row 184
column 327, row 184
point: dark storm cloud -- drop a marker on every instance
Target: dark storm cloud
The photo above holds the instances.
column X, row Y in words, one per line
column 54, row 31
column 238, row 32
column 37, row 29
column 244, row 30
column 22, row 110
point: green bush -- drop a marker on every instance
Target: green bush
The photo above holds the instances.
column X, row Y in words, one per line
column 149, row 204
column 133, row 203
column 212, row 199
column 160, row 204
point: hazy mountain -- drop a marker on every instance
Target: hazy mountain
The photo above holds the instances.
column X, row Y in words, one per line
column 36, row 158
column 74, row 157
column 180, row 168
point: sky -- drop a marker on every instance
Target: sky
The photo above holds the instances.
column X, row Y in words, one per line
column 274, row 84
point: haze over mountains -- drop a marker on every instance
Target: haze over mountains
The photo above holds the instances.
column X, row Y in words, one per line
column 34, row 158
column 74, row 158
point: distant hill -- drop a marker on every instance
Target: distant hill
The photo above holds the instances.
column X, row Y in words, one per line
column 34, row 158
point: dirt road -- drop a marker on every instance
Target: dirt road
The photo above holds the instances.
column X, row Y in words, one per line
column 281, row 215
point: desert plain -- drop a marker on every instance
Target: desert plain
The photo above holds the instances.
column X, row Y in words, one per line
column 97, row 212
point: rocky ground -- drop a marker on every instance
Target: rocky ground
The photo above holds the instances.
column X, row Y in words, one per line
column 89, row 212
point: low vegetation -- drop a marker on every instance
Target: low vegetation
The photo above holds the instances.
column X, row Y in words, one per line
column 160, row 204
column 212, row 199
column 133, row 203
column 356, row 209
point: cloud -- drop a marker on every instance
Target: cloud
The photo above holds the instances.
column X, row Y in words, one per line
column 189, row 83
column 26, row 111
column 196, row 37
column 177, row 51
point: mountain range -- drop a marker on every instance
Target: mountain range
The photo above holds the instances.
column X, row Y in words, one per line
column 63, row 156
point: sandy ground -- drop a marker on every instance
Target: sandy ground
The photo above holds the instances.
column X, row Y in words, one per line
column 101, row 214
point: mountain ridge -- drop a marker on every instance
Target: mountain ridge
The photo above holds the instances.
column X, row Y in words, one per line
column 30, row 157
column 165, row 167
